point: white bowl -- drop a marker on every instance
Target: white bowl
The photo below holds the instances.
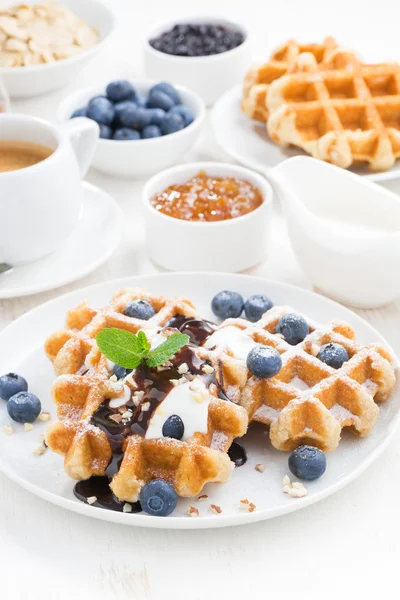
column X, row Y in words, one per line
column 230, row 246
column 208, row 76
column 24, row 82
column 138, row 158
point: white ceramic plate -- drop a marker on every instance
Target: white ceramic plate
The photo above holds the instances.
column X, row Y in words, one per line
column 94, row 239
column 248, row 143
column 21, row 350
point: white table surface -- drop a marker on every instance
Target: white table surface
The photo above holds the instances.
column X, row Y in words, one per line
column 347, row 544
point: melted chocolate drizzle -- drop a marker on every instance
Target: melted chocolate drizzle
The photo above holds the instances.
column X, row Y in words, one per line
column 237, row 454
column 198, row 330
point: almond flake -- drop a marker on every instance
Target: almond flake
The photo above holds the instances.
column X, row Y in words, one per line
column 192, row 511
column 127, row 508
column 217, row 510
column 113, row 378
column 260, row 467
column 145, row 406
column 8, row 429
column 202, row 497
column 286, row 480
column 28, row 426
column 91, row 499
column 183, row 368
column 44, row 416
column 207, row 369
column 127, row 414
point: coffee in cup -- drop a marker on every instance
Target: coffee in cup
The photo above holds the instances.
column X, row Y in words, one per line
column 17, row 154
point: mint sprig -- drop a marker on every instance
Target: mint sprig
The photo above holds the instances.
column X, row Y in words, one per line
column 129, row 350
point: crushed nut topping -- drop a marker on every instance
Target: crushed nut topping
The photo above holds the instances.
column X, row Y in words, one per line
column 295, row 489
column 92, row 499
column 217, row 510
column 145, row 406
column 183, row 368
column 28, row 426
column 260, row 467
column 40, row 450
column 207, row 369
column 202, row 497
column 44, row 416
column 8, row 429
column 127, row 508
column 192, row 511
column 247, row 505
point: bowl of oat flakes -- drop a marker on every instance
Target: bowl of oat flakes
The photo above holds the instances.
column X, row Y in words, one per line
column 44, row 45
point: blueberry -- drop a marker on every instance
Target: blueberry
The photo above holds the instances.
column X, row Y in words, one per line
column 156, row 116
column 171, row 124
column 294, row 328
column 24, row 407
column 134, row 116
column 256, row 306
column 141, row 100
column 125, row 133
column 120, row 372
column 101, row 110
column 264, row 362
column 160, row 100
column 173, row 428
column 105, row 132
column 307, row 462
column 168, row 89
column 185, row 112
column 333, row 355
column 11, row 384
column 140, row 309
column 158, row 498
column 227, row 305
column 119, row 109
column 118, row 91
column 151, row 131
column 80, row 112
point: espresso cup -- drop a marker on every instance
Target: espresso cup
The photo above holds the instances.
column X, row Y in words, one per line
column 40, row 204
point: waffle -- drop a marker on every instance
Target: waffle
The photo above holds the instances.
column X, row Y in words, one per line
column 284, row 60
column 346, row 114
column 308, row 402
column 92, row 442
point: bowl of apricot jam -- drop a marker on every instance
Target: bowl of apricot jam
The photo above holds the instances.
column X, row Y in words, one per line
column 207, row 216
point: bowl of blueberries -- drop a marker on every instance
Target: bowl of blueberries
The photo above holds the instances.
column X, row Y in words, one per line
column 208, row 55
column 145, row 126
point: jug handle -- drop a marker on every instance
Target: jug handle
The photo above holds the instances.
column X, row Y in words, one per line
column 83, row 134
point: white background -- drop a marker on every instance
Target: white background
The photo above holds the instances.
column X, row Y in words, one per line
column 345, row 546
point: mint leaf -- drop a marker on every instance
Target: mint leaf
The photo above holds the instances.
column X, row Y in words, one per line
column 164, row 351
column 120, row 346
column 143, row 344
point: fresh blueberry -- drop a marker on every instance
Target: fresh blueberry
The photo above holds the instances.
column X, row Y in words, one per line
column 119, row 109
column 11, row 384
column 101, row 110
column 120, row 372
column 307, row 462
column 151, row 131
column 173, row 427
column 24, row 407
column 158, row 498
column 140, row 309
column 134, row 116
column 125, row 133
column 185, row 112
column 294, row 328
column 264, row 362
column 118, row 91
column 105, row 132
column 141, row 100
column 256, row 306
column 227, row 305
column 158, row 99
column 80, row 112
column 333, row 355
column 156, row 116
column 166, row 88
column 171, row 124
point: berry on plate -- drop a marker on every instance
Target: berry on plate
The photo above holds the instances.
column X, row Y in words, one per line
column 120, row 372
column 256, row 306
column 151, row 131
column 140, row 309
column 227, row 305
column 158, row 498
column 159, row 99
column 118, row 91
column 24, row 407
column 307, row 462
column 294, row 328
column 264, row 362
column 173, row 427
column 11, row 384
column 334, row 355
column 166, row 88
column 101, row 110
column 183, row 111
column 126, row 134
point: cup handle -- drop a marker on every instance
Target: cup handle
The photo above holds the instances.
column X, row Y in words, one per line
column 83, row 134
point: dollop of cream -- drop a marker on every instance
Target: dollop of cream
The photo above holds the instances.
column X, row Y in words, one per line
column 238, row 342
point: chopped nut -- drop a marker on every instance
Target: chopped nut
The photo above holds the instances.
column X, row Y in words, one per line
column 207, row 369
column 247, row 505
column 8, row 429
column 145, row 406
column 40, row 450
column 113, row 378
column 116, row 418
column 92, row 499
column 217, row 510
column 127, row 508
column 127, row 414
column 137, row 397
column 28, row 426
column 41, row 438
column 260, row 467
column 44, row 416
column 192, row 511
column 183, row 368
column 286, row 480
column 202, row 497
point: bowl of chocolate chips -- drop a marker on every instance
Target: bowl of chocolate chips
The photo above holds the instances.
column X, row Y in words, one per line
column 208, row 55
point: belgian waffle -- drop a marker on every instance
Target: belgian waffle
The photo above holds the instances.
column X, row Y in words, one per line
column 348, row 113
column 283, row 61
column 308, row 402
column 99, row 417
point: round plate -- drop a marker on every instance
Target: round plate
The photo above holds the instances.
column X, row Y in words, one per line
column 45, row 477
column 248, row 143
column 94, row 239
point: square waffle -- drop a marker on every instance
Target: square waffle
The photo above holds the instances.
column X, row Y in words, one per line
column 308, row 402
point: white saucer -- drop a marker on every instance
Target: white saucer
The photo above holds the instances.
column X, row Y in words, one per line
column 248, row 143
column 95, row 238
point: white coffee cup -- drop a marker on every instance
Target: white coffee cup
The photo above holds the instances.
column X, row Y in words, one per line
column 40, row 204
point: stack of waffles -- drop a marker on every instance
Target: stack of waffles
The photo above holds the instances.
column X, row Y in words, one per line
column 307, row 402
column 325, row 101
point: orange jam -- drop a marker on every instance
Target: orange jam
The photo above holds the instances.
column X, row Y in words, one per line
column 206, row 198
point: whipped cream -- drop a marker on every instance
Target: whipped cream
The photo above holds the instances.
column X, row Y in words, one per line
column 238, row 342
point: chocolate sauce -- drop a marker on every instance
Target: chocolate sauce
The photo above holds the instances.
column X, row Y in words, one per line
column 198, row 330
column 237, row 454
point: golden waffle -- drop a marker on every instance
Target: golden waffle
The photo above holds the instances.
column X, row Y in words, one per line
column 308, row 402
column 85, row 385
column 283, row 61
column 346, row 114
